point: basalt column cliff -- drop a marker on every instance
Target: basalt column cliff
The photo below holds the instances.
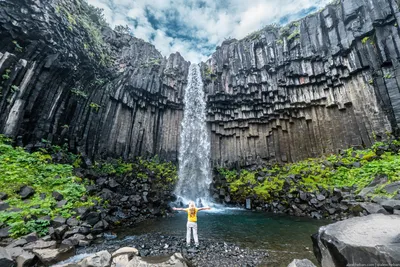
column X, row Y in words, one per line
column 69, row 79
column 327, row 82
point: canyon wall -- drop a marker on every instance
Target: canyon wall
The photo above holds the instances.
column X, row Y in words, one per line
column 321, row 84
column 67, row 78
column 324, row 83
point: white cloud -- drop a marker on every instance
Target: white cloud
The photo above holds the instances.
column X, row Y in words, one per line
column 207, row 24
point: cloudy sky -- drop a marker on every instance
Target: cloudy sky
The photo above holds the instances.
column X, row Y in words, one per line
column 196, row 27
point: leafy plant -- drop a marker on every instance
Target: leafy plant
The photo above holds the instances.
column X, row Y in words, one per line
column 294, row 34
column 6, row 75
column 94, row 106
column 18, row 48
column 19, row 168
column 79, row 93
column 151, row 62
column 365, row 40
column 325, row 172
column 14, row 88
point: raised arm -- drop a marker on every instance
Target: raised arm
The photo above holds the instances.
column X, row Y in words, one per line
column 205, row 208
column 179, row 209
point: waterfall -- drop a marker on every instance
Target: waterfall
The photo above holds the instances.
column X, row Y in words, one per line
column 194, row 153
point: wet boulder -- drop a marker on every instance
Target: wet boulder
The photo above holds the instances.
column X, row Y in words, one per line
column 5, row 258
column 176, row 260
column 99, row 259
column 373, row 208
column 391, row 205
column 49, row 257
column 372, row 239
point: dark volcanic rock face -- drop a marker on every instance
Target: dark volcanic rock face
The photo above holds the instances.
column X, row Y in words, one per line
column 326, row 82
column 67, row 80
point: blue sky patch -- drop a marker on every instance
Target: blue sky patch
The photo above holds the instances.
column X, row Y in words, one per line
column 196, row 27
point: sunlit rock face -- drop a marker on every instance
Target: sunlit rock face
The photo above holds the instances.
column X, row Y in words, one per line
column 327, row 82
column 103, row 93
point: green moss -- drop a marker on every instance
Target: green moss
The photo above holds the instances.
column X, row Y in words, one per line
column 365, row 40
column 294, row 34
column 79, row 93
column 18, row 48
column 151, row 62
column 14, row 88
column 94, row 106
column 6, row 74
column 19, row 168
column 326, row 172
column 90, row 20
column 162, row 172
column 116, row 167
column 208, row 73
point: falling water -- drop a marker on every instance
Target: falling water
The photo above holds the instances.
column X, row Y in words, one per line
column 194, row 154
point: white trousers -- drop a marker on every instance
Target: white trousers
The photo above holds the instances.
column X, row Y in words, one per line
column 189, row 227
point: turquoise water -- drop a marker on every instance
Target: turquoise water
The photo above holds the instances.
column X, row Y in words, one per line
column 285, row 237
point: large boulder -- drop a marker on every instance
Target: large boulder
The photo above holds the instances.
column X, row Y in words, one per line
column 379, row 180
column 392, row 187
column 4, row 232
column 5, row 258
column 99, row 259
column 175, row 260
column 372, row 239
column 49, row 257
column 301, row 263
column 391, row 205
column 40, row 244
column 26, row 259
column 373, row 208
column 122, row 256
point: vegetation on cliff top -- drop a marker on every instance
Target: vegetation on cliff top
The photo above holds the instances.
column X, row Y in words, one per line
column 82, row 18
column 351, row 168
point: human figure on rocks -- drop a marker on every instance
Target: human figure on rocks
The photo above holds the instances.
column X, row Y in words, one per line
column 192, row 222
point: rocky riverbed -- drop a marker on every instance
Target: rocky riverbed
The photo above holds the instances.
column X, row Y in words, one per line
column 362, row 240
column 209, row 251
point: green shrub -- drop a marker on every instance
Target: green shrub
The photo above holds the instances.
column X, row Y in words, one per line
column 19, row 168
column 6, row 75
column 95, row 106
column 326, row 172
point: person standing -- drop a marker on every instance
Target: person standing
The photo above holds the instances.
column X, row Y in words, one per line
column 192, row 222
